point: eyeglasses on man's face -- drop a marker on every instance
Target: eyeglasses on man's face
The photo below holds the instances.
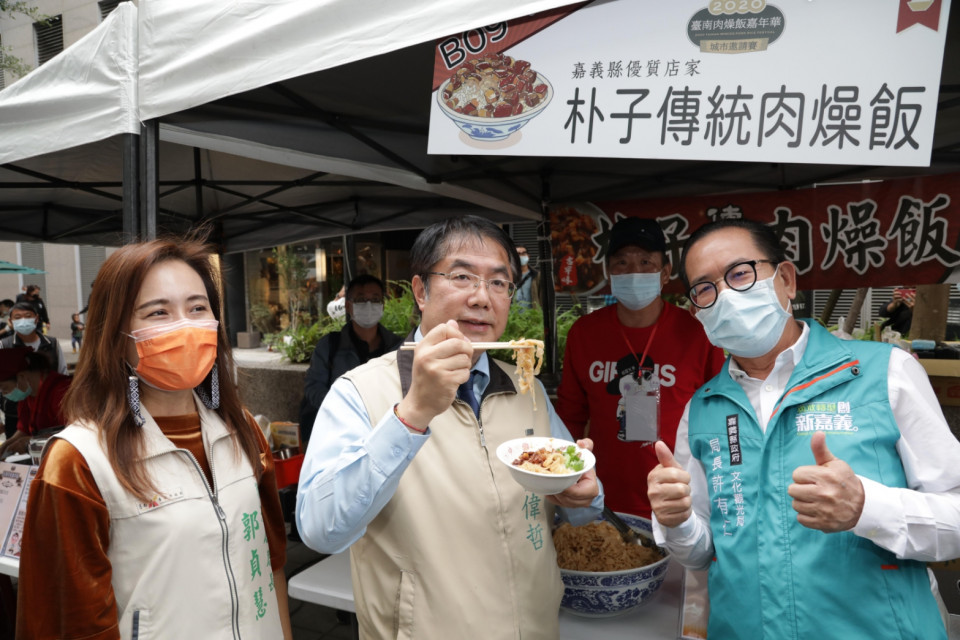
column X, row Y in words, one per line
column 739, row 277
column 361, row 300
column 465, row 280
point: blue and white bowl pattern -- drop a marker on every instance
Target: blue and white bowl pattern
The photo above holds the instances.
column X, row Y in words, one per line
column 603, row 594
column 489, row 129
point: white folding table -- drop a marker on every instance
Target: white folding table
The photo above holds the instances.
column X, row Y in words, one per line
column 328, row 583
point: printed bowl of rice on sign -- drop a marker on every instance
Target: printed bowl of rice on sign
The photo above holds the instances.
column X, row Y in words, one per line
column 545, row 465
column 493, row 96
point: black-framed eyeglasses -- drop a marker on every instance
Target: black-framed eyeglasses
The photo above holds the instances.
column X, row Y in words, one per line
column 739, row 277
column 363, row 300
column 465, row 280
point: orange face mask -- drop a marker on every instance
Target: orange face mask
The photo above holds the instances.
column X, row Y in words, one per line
column 177, row 355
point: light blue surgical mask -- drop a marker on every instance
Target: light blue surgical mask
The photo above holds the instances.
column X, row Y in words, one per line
column 746, row 323
column 635, row 290
column 524, row 260
column 18, row 394
column 25, row 326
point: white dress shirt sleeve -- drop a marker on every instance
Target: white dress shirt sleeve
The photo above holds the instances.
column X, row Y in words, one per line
column 920, row 522
column 350, row 471
column 691, row 542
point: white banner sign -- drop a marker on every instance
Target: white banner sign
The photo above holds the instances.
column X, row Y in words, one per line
column 852, row 82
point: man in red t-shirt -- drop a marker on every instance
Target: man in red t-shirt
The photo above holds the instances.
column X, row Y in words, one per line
column 603, row 375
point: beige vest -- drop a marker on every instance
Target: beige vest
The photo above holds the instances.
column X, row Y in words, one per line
column 186, row 565
column 461, row 550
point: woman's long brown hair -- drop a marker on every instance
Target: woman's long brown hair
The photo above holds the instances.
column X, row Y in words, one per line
column 98, row 393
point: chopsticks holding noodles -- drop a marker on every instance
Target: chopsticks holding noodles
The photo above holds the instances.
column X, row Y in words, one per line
column 407, row 346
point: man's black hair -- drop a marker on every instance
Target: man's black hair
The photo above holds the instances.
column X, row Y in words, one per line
column 363, row 280
column 25, row 306
column 438, row 239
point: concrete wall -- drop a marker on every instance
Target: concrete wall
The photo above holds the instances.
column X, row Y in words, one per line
column 272, row 389
column 79, row 18
column 60, row 294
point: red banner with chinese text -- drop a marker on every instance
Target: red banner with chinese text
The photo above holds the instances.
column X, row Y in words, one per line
column 870, row 234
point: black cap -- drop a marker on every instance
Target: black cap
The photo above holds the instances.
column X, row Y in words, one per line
column 637, row 232
column 13, row 361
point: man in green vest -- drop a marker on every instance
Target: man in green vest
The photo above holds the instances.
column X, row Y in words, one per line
column 813, row 477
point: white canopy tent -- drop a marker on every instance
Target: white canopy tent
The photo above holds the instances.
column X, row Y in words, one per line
column 85, row 94
column 142, row 65
column 290, row 120
column 193, row 56
column 286, row 121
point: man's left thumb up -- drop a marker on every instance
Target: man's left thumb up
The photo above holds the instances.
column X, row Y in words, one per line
column 818, row 444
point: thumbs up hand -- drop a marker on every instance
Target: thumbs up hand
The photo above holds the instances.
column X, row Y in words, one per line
column 668, row 488
column 827, row 495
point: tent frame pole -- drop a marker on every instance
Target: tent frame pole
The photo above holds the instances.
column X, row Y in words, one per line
column 548, row 297
column 131, row 187
column 149, row 179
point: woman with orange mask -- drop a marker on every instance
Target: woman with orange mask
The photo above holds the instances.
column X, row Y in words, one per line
column 155, row 513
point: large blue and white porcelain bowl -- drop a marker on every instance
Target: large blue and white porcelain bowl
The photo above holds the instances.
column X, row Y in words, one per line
column 600, row 594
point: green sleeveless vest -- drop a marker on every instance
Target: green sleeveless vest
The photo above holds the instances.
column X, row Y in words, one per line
column 771, row 577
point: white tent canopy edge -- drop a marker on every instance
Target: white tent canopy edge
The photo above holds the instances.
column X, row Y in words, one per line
column 142, row 64
column 85, row 94
column 194, row 54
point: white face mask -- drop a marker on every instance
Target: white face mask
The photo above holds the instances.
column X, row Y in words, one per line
column 635, row 290
column 25, row 326
column 524, row 260
column 367, row 314
column 746, row 323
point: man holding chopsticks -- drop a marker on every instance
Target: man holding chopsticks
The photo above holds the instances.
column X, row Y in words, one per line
column 403, row 471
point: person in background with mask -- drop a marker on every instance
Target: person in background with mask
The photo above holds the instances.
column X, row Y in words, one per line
column 23, row 317
column 814, row 476
column 8, row 407
column 38, row 392
column 605, row 392
column 528, row 289
column 12, row 361
column 31, row 294
column 362, row 338
column 155, row 512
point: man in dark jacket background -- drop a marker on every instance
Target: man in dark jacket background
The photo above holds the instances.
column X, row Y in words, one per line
column 362, row 338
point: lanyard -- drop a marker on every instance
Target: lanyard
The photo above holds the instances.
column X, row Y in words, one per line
column 645, row 349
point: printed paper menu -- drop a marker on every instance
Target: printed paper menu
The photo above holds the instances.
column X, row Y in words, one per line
column 14, row 537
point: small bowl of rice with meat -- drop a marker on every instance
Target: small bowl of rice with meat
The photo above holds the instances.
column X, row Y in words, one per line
column 603, row 575
column 545, row 465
